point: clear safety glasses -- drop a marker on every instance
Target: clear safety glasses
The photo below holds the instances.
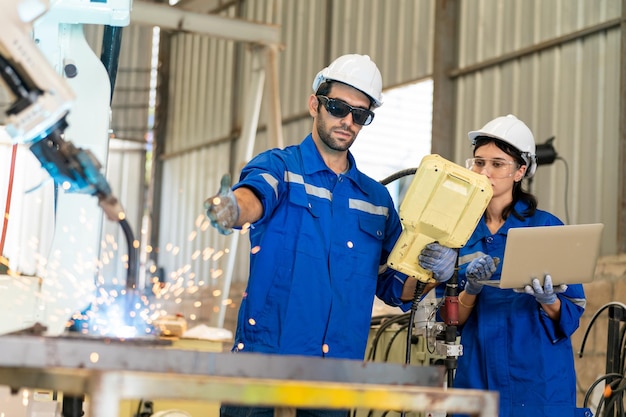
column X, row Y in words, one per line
column 339, row 108
column 497, row 168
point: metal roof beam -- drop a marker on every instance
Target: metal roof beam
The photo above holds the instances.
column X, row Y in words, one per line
column 172, row 18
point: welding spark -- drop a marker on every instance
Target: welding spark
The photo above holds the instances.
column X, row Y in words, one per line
column 118, row 313
column 122, row 316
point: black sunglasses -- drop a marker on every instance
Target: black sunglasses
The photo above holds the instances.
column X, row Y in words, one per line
column 339, row 108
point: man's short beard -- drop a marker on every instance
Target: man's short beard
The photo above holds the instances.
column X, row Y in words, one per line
column 325, row 136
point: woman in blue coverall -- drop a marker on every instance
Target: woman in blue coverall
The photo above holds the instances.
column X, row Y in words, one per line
column 516, row 342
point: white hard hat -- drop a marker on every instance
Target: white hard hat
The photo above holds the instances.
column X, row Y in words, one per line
column 357, row 71
column 511, row 130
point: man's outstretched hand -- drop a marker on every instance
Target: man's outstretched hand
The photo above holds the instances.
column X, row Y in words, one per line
column 222, row 208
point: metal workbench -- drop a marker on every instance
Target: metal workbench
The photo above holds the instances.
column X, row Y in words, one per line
column 109, row 370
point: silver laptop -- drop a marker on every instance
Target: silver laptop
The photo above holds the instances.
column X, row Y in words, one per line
column 567, row 253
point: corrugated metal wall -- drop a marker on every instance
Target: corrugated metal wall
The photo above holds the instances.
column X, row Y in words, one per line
column 556, row 65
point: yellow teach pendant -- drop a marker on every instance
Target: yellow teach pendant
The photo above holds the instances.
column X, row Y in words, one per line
column 443, row 204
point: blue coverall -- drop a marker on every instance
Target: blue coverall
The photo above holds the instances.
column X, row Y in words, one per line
column 315, row 258
column 510, row 345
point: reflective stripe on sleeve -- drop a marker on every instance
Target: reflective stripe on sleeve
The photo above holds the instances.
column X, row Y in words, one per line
column 580, row 302
column 271, row 181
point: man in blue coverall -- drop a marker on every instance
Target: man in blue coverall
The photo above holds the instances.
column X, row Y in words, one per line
column 321, row 232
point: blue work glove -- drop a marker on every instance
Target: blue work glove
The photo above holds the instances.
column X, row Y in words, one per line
column 439, row 259
column 547, row 294
column 479, row 269
column 222, row 208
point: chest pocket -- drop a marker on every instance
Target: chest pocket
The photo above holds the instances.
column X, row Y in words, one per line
column 369, row 246
column 372, row 225
column 299, row 198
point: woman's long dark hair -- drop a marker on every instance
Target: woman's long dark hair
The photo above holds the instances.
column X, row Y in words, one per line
column 519, row 194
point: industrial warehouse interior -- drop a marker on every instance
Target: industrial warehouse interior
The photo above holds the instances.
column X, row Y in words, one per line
column 200, row 220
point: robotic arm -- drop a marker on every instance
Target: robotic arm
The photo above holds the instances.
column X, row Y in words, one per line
column 43, row 100
column 36, row 43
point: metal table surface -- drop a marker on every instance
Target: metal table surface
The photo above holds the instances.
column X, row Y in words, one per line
column 109, row 370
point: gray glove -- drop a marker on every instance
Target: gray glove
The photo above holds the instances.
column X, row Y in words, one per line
column 438, row 259
column 222, row 208
column 479, row 269
column 547, row 294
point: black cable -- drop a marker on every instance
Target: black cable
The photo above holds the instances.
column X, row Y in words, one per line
column 609, row 405
column 384, row 325
column 612, row 402
column 600, row 405
column 398, row 175
column 393, row 338
column 580, row 388
column 110, row 55
column 595, row 384
column 377, row 320
column 419, row 290
column 593, row 319
column 132, row 272
column 566, row 188
column 139, row 408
